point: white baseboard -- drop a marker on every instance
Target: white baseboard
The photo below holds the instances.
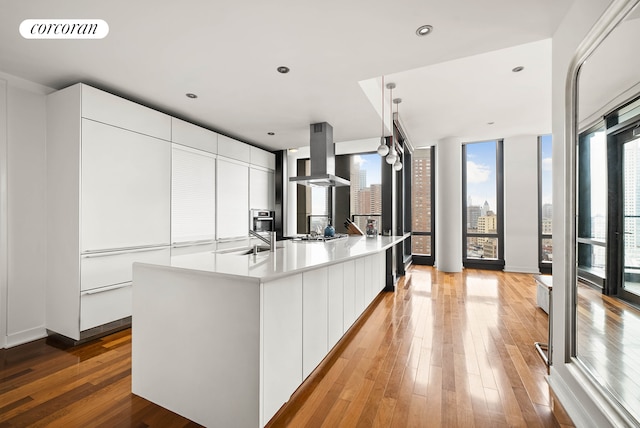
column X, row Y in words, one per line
column 26, row 336
column 522, row 269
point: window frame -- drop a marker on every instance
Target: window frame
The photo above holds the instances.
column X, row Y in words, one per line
column 480, row 263
column 546, row 267
column 427, row 259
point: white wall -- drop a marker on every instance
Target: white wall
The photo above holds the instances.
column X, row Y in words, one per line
column 521, row 204
column 585, row 405
column 24, row 125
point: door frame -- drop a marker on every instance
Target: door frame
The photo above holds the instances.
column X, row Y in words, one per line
column 615, row 232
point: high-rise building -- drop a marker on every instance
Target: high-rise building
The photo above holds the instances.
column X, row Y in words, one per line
column 473, row 213
column 421, row 200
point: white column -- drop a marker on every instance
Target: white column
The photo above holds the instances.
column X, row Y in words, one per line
column 449, row 205
column 521, row 246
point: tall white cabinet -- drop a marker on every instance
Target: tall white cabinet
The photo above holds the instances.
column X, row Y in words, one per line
column 109, row 181
column 130, row 184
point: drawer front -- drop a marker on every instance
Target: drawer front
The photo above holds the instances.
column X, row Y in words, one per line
column 98, row 307
column 180, row 250
column 109, row 268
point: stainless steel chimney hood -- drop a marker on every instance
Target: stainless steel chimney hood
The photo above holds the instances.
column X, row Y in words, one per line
column 322, row 159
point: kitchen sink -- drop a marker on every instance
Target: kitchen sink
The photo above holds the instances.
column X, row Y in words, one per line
column 260, row 249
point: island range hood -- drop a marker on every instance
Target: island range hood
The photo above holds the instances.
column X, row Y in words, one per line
column 322, row 159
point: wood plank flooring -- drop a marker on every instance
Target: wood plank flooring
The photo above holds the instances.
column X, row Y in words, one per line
column 451, row 350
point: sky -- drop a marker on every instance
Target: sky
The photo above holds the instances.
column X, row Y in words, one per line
column 370, row 162
column 481, row 173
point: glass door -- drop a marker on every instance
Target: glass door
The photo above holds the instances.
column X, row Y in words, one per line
column 630, row 141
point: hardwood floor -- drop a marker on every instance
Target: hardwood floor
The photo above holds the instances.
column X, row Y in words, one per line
column 443, row 350
column 452, row 350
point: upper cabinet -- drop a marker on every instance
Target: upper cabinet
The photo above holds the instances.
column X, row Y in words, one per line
column 107, row 108
column 125, row 188
column 232, row 199
column 262, row 158
column 234, row 149
column 261, row 189
column 188, row 134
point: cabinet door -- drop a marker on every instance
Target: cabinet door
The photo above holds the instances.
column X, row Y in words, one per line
column 193, row 195
column 360, row 287
column 314, row 319
column 108, row 108
column 350, row 315
column 282, row 342
column 232, row 199
column 335, row 303
column 261, row 193
column 369, row 287
column 126, row 186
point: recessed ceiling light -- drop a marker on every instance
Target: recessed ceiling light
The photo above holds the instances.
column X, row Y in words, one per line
column 190, row 95
column 293, row 150
column 271, row 133
column 424, row 30
column 517, row 69
column 283, row 69
column 490, row 123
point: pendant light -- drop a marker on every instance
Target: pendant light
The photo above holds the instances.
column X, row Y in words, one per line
column 383, row 149
column 397, row 165
column 392, row 156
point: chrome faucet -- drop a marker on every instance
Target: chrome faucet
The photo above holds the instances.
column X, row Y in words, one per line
column 271, row 241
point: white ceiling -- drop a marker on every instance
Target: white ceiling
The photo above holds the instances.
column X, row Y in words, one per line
column 452, row 82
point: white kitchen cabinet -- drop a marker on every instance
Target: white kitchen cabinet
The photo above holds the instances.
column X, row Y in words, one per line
column 262, row 158
column 314, row 319
column 232, row 199
column 104, row 107
column 369, row 287
column 108, row 189
column 261, row 189
column 101, row 306
column 350, row 314
column 193, row 195
column 125, row 188
column 282, row 342
column 190, row 135
column 361, row 304
column 115, row 267
column 335, row 304
column 234, row 149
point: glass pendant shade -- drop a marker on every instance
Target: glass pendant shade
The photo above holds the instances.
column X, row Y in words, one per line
column 383, row 149
column 391, row 157
column 398, row 165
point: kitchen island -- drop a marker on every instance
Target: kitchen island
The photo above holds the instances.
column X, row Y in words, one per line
column 225, row 338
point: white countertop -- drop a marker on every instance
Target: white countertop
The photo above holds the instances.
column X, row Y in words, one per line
column 290, row 257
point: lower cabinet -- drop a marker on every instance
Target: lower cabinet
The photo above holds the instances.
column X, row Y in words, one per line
column 104, row 305
column 350, row 315
column 360, row 286
column 335, row 304
column 314, row 319
column 282, row 342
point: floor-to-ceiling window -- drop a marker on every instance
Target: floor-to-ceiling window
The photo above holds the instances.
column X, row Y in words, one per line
column 592, row 205
column 545, row 202
column 422, row 206
column 482, row 214
column 366, row 190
